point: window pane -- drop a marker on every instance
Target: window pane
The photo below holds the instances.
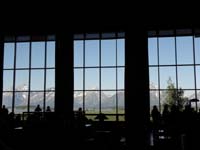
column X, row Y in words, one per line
column 9, row 49
column 37, row 79
column 78, row 79
column 197, row 50
column 153, row 77
column 120, row 78
column 36, row 98
column 198, row 77
column 121, row 52
column 108, row 52
column 50, row 54
column 91, row 78
column 167, row 74
column 7, row 80
column 7, row 100
column 21, row 80
column 78, row 53
column 184, row 50
column 22, row 55
column 186, row 77
column 121, row 102
column 166, row 51
column 188, row 95
column 154, row 99
column 38, row 54
column 92, row 102
column 78, row 100
column 21, row 102
column 108, row 78
column 153, row 51
column 50, row 100
column 108, row 102
column 50, row 79
column 92, row 53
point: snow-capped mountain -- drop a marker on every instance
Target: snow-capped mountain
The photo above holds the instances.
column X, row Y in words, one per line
column 108, row 100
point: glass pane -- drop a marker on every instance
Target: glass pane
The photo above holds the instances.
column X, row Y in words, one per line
column 108, row 52
column 8, row 80
column 167, row 74
column 22, row 58
column 108, row 78
column 21, row 102
column 21, row 80
column 78, row 100
column 184, row 50
column 37, row 79
column 121, row 52
column 153, row 77
column 120, row 78
column 38, row 54
column 186, row 77
column 198, row 96
column 50, row 79
column 167, row 51
column 9, row 50
column 197, row 50
column 36, row 98
column 188, row 95
column 111, row 118
column 92, row 102
column 198, row 77
column 121, row 102
column 91, row 78
column 7, row 100
column 154, row 99
column 78, row 79
column 50, row 54
column 78, row 53
column 108, row 102
column 50, row 100
column 92, row 53
column 121, row 118
column 153, row 51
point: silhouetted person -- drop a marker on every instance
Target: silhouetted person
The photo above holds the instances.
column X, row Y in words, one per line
column 156, row 124
column 38, row 109
column 48, row 109
column 4, row 111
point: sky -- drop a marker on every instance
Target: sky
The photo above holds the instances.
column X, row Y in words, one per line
column 184, row 46
column 22, row 62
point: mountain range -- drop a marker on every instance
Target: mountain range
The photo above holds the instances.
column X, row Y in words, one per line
column 91, row 99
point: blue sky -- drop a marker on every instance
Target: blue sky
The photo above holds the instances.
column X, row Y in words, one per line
column 22, row 62
column 184, row 46
column 108, row 58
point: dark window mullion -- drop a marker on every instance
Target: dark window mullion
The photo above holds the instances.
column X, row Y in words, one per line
column 116, row 48
column 29, row 81
column 14, row 75
column 176, row 62
column 84, row 74
column 194, row 60
column 158, row 73
column 100, row 74
column 45, row 73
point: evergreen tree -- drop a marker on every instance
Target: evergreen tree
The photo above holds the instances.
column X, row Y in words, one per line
column 174, row 96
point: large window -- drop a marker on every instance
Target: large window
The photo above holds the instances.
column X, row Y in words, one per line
column 99, row 66
column 174, row 67
column 28, row 73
